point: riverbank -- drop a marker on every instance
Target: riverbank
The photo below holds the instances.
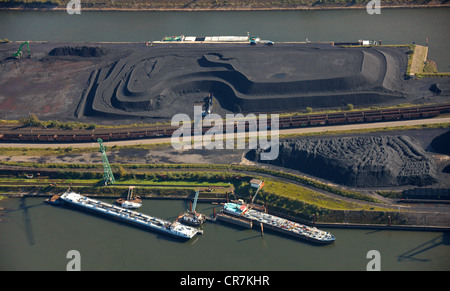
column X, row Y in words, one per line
column 216, row 202
column 285, row 195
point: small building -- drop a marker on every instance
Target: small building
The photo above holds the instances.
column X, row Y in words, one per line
column 256, row 183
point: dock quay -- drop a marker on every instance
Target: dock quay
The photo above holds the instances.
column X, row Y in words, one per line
column 384, row 227
column 219, row 201
column 115, row 196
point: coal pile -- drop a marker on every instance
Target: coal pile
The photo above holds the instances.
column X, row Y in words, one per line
column 131, row 82
column 441, row 143
column 435, row 89
column 446, row 169
column 162, row 82
column 358, row 161
column 81, row 51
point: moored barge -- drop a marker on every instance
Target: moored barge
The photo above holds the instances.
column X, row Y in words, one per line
column 272, row 222
column 174, row 229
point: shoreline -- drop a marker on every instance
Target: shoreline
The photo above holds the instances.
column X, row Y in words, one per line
column 223, row 9
column 334, row 225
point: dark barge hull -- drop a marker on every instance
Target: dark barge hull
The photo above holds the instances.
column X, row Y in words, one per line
column 293, row 234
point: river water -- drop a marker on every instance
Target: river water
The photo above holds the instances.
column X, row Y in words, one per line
column 392, row 26
column 36, row 236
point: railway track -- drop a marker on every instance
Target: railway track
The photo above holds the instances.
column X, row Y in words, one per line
column 57, row 183
column 40, row 135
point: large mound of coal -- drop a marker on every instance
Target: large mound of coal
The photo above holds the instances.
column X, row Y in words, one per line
column 359, row 161
column 162, row 82
column 81, row 51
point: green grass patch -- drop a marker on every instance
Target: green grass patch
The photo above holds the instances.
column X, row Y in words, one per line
column 305, row 195
column 60, row 151
column 433, row 75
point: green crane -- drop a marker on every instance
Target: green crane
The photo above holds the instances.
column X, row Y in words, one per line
column 107, row 172
column 19, row 53
column 195, row 201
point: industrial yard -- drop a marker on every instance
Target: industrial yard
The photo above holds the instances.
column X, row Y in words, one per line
column 128, row 92
column 160, row 171
column 115, row 148
column 137, row 83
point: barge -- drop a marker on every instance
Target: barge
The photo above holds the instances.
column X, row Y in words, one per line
column 212, row 39
column 174, row 229
column 278, row 224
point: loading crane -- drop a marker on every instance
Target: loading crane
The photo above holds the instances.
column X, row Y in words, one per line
column 19, row 52
column 108, row 176
column 195, row 201
column 255, row 183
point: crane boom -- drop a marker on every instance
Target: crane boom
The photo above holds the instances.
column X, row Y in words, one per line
column 253, row 199
column 19, row 53
column 195, row 201
column 107, row 172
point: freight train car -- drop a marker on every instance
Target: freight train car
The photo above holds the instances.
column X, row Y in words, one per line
column 7, row 134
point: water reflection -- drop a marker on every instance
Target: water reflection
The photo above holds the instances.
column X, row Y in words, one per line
column 25, row 221
column 443, row 239
column 32, row 232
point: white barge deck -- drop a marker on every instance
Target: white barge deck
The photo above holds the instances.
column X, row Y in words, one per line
column 175, row 229
column 279, row 224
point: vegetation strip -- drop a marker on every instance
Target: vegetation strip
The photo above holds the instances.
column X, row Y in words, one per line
column 191, row 175
column 282, row 197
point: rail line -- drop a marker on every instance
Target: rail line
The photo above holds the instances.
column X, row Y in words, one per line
column 27, row 135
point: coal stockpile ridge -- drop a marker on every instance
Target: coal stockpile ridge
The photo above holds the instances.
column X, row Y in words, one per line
column 81, row 51
column 156, row 82
column 358, row 161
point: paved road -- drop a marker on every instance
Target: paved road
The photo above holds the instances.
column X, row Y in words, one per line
column 282, row 132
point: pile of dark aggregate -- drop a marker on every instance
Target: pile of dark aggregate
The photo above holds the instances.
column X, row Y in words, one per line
column 81, row 51
column 358, row 161
column 441, row 144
